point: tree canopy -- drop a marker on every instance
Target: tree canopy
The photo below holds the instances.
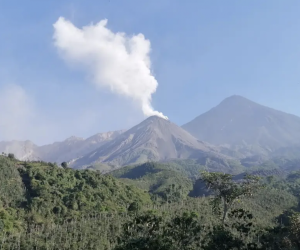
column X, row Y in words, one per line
column 43, row 206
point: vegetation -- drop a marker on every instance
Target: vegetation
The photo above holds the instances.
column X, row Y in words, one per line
column 44, row 206
column 227, row 191
column 64, row 164
column 159, row 179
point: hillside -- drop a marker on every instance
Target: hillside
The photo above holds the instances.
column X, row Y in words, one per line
column 154, row 139
column 83, row 209
column 156, row 178
column 51, row 191
column 246, row 126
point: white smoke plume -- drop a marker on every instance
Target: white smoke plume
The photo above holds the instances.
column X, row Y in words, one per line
column 115, row 60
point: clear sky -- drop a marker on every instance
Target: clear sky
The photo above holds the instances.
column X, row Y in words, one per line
column 201, row 52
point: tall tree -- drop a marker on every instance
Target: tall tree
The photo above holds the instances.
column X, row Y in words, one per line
column 64, row 164
column 227, row 191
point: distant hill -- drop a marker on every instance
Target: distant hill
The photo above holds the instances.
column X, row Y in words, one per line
column 74, row 147
column 213, row 163
column 237, row 133
column 154, row 177
column 154, row 139
column 58, row 152
column 246, row 127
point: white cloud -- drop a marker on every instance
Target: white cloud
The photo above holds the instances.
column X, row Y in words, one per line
column 23, row 117
column 16, row 112
column 114, row 60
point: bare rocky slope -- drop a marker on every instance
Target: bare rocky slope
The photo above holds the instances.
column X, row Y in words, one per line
column 154, row 139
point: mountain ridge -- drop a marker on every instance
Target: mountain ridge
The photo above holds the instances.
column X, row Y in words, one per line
column 153, row 139
column 237, row 121
column 237, row 128
column 58, row 152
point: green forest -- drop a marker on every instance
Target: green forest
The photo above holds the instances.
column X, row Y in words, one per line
column 150, row 206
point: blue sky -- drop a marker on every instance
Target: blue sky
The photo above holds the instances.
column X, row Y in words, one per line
column 202, row 52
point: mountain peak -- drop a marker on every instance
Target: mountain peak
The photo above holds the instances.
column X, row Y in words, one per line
column 236, row 99
column 153, row 139
column 154, row 121
column 238, row 121
column 155, row 118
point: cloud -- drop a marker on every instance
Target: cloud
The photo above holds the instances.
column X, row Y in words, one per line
column 16, row 112
column 115, row 61
column 24, row 116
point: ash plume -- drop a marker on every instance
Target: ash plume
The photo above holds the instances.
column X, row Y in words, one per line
column 115, row 61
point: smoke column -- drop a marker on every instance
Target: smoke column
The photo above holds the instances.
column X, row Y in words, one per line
column 115, row 60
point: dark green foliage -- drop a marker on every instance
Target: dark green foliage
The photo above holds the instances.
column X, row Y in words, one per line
column 39, row 193
column 11, row 187
column 235, row 234
column 159, row 179
column 12, row 195
column 150, row 231
column 227, row 191
column 64, row 164
column 284, row 236
column 192, row 167
column 134, row 207
column 11, row 156
column 72, row 193
column 44, row 206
